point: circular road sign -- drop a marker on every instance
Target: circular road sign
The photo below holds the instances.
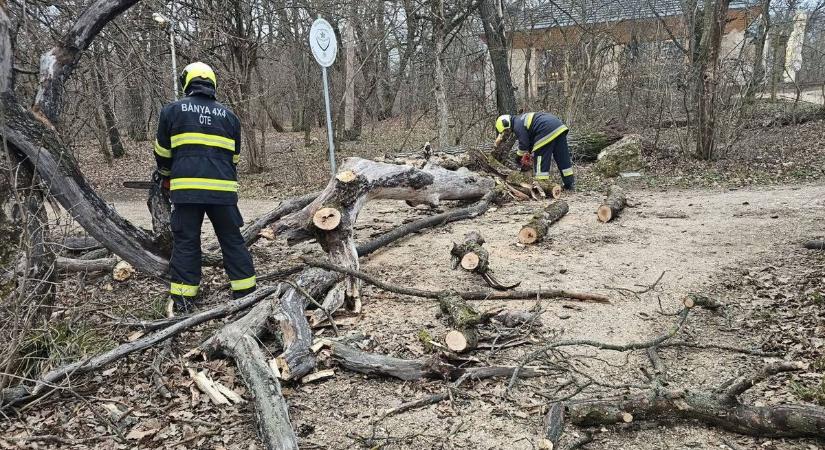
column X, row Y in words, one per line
column 323, row 43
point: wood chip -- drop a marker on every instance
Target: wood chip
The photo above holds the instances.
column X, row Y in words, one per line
column 318, row 376
column 207, row 386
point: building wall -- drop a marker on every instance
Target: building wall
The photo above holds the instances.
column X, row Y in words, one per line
column 518, row 63
column 793, row 52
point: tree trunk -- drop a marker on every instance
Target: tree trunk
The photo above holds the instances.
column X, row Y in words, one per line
column 707, row 68
column 112, row 132
column 490, row 12
column 758, row 67
column 442, row 106
column 536, row 230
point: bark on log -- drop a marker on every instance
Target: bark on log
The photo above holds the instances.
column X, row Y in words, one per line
column 82, row 265
column 45, row 384
column 368, row 363
column 80, row 243
column 463, row 319
column 160, row 208
column 284, row 319
column 815, row 244
column 613, row 204
column 553, row 425
column 357, row 182
column 718, row 408
column 536, row 229
column 6, row 52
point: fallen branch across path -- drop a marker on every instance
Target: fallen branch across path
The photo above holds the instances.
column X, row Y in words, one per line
column 719, row 408
column 476, row 209
column 22, row 394
column 468, row 295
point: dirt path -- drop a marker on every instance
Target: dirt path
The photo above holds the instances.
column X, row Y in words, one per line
column 692, row 235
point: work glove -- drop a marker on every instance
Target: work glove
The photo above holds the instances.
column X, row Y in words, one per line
column 160, row 179
column 526, row 161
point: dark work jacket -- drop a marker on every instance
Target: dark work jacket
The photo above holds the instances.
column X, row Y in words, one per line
column 534, row 130
column 198, row 147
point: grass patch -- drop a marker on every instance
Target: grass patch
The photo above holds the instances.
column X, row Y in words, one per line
column 62, row 343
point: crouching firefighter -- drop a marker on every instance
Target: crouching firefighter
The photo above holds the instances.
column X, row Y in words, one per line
column 542, row 138
column 197, row 152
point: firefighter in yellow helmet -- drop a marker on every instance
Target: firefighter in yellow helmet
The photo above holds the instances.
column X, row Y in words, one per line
column 542, row 138
column 197, row 152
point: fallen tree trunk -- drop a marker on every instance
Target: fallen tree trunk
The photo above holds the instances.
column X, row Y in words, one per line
column 331, row 216
column 81, row 265
column 463, row 319
column 613, row 204
column 368, row 363
column 815, row 244
column 719, row 407
column 536, row 229
column 51, row 380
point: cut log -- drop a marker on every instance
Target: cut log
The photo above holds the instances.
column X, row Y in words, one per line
column 327, row 219
column 464, row 319
column 536, row 230
column 723, row 411
column 359, row 181
column 470, row 254
column 613, row 204
column 461, row 341
column 80, row 243
column 815, row 245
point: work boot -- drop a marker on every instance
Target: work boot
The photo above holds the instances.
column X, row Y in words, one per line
column 242, row 293
column 182, row 304
column 569, row 183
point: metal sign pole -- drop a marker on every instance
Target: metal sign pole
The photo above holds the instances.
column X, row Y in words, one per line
column 329, row 121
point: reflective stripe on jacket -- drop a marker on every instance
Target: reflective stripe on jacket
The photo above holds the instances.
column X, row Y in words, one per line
column 198, row 147
column 534, row 130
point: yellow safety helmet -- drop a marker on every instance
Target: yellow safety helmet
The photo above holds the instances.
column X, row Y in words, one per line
column 197, row 70
column 503, row 123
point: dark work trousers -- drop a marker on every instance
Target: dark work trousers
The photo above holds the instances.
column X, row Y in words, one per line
column 559, row 151
column 185, row 264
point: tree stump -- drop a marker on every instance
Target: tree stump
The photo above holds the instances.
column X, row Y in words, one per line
column 536, row 229
column 613, row 204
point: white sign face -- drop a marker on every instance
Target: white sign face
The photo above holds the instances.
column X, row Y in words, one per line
column 323, row 43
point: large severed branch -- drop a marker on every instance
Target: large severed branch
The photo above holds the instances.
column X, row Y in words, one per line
column 613, row 204
column 536, row 229
column 330, row 217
